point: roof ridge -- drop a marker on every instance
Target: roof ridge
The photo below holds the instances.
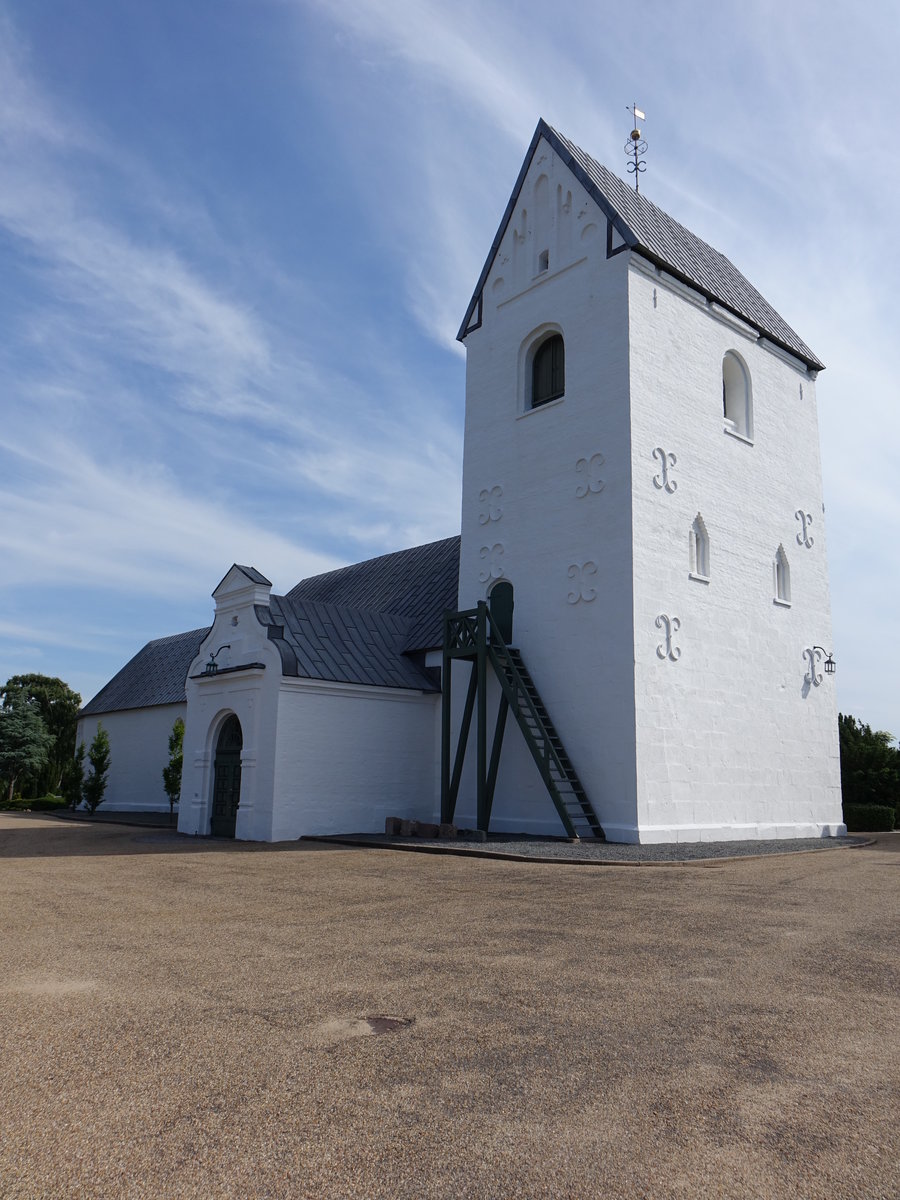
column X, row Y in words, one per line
column 365, row 562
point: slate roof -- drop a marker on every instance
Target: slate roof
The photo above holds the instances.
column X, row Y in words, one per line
column 656, row 236
column 317, row 640
column 155, row 675
column 418, row 583
column 358, row 624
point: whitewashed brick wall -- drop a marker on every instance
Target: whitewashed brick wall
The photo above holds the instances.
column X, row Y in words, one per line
column 725, row 742
column 139, row 749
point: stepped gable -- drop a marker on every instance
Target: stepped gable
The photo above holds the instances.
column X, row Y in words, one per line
column 659, row 238
column 419, row 584
column 154, row 676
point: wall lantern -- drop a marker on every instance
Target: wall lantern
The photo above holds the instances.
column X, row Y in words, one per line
column 212, row 666
column 829, row 663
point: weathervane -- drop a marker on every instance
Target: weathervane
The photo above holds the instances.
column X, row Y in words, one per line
column 636, row 146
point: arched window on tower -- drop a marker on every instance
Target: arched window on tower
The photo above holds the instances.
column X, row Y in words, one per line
column 782, row 578
column 548, row 371
column 736, row 396
column 699, row 550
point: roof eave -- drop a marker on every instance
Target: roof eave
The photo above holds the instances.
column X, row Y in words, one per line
column 809, row 360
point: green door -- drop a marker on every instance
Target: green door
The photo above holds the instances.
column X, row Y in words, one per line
column 502, row 604
column 227, row 779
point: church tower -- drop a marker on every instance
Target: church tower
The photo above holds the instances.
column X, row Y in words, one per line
column 641, row 474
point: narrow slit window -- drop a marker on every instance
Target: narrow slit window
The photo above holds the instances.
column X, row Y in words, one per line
column 699, row 549
column 543, row 261
column 782, row 577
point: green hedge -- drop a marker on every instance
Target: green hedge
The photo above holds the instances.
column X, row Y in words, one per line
column 41, row 804
column 869, row 818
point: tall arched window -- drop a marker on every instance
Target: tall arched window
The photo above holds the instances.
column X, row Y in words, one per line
column 736, row 396
column 699, row 549
column 548, row 371
column 782, row 577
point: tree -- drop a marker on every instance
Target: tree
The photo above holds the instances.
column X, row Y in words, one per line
column 870, row 764
column 172, row 772
column 24, row 742
column 58, row 707
column 73, row 778
column 99, row 758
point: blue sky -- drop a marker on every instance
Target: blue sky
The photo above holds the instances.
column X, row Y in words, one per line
column 237, row 238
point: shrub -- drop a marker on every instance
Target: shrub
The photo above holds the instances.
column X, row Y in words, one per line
column 172, row 773
column 73, row 778
column 41, row 804
column 868, row 818
column 98, row 757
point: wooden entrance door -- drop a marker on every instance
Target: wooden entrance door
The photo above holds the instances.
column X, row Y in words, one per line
column 227, row 779
column 502, row 604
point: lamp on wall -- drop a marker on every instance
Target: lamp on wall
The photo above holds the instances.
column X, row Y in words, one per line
column 829, row 663
column 212, row 666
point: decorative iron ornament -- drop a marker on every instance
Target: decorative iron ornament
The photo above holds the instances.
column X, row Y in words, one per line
column 491, row 556
column 814, row 655
column 668, row 649
column 666, row 462
column 635, row 147
column 589, row 471
column 580, row 574
column 491, row 509
column 804, row 537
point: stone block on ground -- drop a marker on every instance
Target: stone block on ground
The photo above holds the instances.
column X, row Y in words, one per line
column 392, row 826
column 425, row 829
column 406, row 828
column 446, row 830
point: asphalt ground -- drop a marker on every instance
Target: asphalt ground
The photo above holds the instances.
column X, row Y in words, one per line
column 195, row 1018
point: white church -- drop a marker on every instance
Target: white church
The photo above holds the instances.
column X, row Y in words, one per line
column 629, row 639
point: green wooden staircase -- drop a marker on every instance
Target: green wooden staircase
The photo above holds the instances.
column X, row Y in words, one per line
column 473, row 634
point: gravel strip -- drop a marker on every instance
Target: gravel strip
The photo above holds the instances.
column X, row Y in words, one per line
column 535, row 849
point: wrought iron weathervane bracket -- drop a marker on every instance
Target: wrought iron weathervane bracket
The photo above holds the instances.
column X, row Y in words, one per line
column 636, row 147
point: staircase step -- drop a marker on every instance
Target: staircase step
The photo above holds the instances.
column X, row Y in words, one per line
column 544, row 741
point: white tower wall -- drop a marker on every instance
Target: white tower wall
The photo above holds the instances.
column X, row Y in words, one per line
column 683, row 691
column 546, row 496
column 732, row 739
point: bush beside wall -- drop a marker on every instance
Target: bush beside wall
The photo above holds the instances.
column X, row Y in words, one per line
column 869, row 818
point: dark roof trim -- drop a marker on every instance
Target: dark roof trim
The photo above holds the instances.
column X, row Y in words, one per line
column 254, row 666
column 543, row 130
column 251, row 573
column 632, row 241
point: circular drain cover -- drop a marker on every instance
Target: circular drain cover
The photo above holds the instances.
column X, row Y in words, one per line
column 382, row 1024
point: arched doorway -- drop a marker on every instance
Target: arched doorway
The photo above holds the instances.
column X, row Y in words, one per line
column 502, row 604
column 227, row 779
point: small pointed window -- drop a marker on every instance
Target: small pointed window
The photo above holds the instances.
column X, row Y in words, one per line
column 548, row 371
column 699, row 549
column 736, row 397
column 782, row 577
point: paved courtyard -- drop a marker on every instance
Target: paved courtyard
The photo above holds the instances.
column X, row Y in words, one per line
column 201, row 1019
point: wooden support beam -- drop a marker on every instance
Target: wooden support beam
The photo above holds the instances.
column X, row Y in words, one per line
column 495, row 753
column 481, row 723
column 461, row 747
